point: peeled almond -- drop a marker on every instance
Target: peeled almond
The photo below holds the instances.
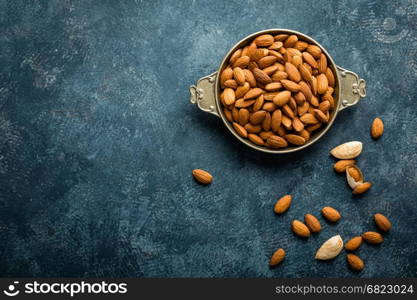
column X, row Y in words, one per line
column 347, row 150
column 330, row 248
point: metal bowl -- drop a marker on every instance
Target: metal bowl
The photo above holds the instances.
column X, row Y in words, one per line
column 349, row 89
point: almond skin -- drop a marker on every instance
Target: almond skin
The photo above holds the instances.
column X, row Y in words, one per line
column 330, row 214
column 382, row 222
column 312, row 223
column 341, row 165
column 362, row 188
column 354, row 243
column 202, row 176
column 277, row 257
column 283, row 204
column 377, row 128
column 300, row 229
column 372, row 237
column 355, row 262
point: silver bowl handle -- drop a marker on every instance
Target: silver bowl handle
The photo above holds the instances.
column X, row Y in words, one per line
column 352, row 88
column 203, row 94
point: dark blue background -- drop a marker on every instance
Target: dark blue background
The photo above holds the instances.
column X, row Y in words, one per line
column 98, row 140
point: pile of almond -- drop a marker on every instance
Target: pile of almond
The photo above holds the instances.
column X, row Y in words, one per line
column 332, row 247
column 277, row 90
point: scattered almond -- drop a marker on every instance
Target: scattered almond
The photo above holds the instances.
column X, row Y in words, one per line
column 277, row 257
column 202, row 176
column 300, row 229
column 341, row 165
column 330, row 214
column 283, row 204
column 312, row 223
column 372, row 237
column 377, row 128
column 382, row 222
column 354, row 243
column 362, row 188
column 355, row 262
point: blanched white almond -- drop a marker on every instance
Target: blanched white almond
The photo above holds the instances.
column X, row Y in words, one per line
column 330, row 248
column 347, row 150
column 354, row 176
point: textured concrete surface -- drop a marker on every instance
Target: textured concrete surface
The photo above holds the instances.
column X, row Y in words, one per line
column 98, row 140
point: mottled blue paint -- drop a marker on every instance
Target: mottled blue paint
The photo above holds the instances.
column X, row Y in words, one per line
column 98, row 140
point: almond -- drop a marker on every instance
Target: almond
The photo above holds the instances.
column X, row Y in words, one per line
column 286, row 109
column 355, row 173
column 226, row 75
column 279, row 75
column 324, row 106
column 308, row 58
column 301, row 45
column 273, row 86
column 242, row 103
column 235, row 56
column 259, row 53
column 377, row 128
column 253, row 128
column 362, row 188
column 297, row 60
column 347, row 150
column 303, row 108
column 250, row 78
column 275, row 141
column 382, row 222
column 276, row 45
column 240, row 130
column 264, row 40
column 305, row 134
column 277, row 257
column 276, row 120
column 265, row 134
column 242, row 90
column 256, row 139
column 269, row 107
column 299, row 98
column 290, row 41
column 354, row 243
column 271, row 70
column 322, row 65
column 314, row 127
column 305, row 89
column 322, row 84
column 295, row 139
column 229, row 96
column 341, row 165
column 202, row 176
column 231, row 83
column 300, row 229
column 355, row 262
column 261, row 76
column 297, row 125
column 314, row 51
column 241, row 62
column 330, row 248
column 228, row 115
column 372, row 237
column 330, row 77
column 290, row 85
column 286, row 122
column 321, row 116
column 312, row 223
column 283, row 204
column 305, row 73
column 282, row 98
column 243, row 117
column 292, row 71
column 258, row 103
column 267, row 61
column 239, row 75
column 266, row 123
column 309, row 119
column 257, row 117
column 253, row 93
column 281, row 37
column 330, row 214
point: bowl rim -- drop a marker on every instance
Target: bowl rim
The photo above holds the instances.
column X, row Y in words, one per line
column 275, row 31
